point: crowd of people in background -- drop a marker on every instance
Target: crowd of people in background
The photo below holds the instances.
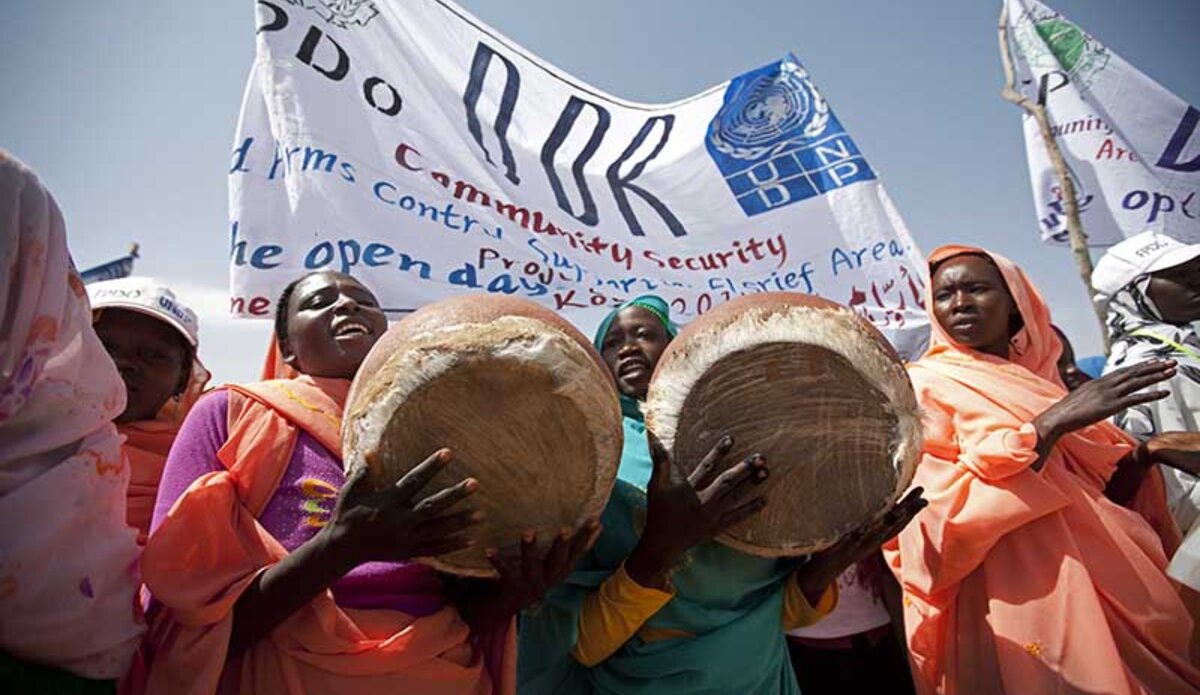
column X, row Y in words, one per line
column 169, row 537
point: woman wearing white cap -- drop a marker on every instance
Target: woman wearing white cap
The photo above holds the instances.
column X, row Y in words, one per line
column 152, row 338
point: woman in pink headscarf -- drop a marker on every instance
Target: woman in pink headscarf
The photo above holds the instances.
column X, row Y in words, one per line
column 1034, row 569
column 67, row 559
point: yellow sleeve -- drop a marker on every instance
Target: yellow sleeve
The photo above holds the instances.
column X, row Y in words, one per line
column 612, row 614
column 796, row 610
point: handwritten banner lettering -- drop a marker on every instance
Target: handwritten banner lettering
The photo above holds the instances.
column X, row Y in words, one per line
column 411, row 145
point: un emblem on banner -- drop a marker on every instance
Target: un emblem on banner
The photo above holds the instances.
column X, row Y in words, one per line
column 341, row 13
column 776, row 141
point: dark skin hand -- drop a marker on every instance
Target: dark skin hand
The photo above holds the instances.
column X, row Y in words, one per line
column 1179, row 450
column 684, row 511
column 1100, row 399
column 396, row 524
column 526, row 572
column 824, row 567
column 150, row 356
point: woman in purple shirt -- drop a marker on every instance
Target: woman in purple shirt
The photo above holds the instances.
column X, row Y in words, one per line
column 302, row 583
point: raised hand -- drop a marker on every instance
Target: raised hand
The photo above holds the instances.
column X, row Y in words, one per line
column 825, row 566
column 1104, row 397
column 398, row 523
column 682, row 512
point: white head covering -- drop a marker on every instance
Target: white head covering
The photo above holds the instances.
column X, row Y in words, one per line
column 1136, row 326
column 146, row 296
column 68, row 561
column 1137, row 256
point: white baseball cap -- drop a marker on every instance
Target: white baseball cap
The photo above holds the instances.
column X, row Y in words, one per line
column 1138, row 255
column 146, row 296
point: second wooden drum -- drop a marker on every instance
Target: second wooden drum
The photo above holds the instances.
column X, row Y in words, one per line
column 812, row 387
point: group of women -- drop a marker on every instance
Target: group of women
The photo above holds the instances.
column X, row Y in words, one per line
column 227, row 551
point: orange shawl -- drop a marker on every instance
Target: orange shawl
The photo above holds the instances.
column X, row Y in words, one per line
column 147, row 444
column 1026, row 582
column 210, row 548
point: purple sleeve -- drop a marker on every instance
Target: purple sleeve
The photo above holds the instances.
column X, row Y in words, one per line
column 194, row 452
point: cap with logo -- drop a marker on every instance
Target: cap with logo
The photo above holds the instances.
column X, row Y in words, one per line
column 146, row 296
column 1139, row 255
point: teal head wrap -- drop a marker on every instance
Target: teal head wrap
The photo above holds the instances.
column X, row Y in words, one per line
column 655, row 305
column 727, row 603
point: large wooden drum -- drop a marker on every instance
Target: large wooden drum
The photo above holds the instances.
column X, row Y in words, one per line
column 812, row 387
column 517, row 393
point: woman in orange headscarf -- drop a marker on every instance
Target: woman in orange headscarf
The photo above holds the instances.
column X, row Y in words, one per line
column 273, row 570
column 1026, row 574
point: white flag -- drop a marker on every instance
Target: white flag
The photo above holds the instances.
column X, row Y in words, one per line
column 410, row 144
column 1132, row 147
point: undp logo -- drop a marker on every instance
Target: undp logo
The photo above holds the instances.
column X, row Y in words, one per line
column 776, row 141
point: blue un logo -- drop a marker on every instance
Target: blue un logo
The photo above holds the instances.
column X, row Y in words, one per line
column 777, row 142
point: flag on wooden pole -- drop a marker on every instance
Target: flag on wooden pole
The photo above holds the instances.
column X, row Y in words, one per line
column 1131, row 147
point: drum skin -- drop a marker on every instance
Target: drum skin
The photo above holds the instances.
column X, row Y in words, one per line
column 520, row 397
column 815, row 389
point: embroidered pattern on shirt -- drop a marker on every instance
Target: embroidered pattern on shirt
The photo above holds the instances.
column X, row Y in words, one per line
column 318, row 498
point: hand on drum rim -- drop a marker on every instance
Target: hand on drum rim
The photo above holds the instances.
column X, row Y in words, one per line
column 526, row 572
column 525, row 575
column 682, row 512
column 387, row 525
column 825, row 566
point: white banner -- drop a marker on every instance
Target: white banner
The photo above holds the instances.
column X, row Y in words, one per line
column 1132, row 147
column 409, row 144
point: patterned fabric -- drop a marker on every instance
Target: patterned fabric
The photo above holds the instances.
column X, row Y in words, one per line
column 67, row 560
column 1140, row 334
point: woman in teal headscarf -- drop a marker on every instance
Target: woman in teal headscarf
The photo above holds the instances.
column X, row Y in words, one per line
column 657, row 606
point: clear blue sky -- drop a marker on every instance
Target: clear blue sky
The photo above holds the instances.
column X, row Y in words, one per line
column 127, row 111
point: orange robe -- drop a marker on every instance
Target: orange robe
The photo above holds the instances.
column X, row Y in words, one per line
column 210, row 548
column 1021, row 581
column 146, row 446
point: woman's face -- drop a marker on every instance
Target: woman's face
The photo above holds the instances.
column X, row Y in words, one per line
column 1176, row 292
column 973, row 305
column 333, row 322
column 151, row 357
column 631, row 348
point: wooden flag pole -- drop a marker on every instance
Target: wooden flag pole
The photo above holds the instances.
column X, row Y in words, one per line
column 1083, row 260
